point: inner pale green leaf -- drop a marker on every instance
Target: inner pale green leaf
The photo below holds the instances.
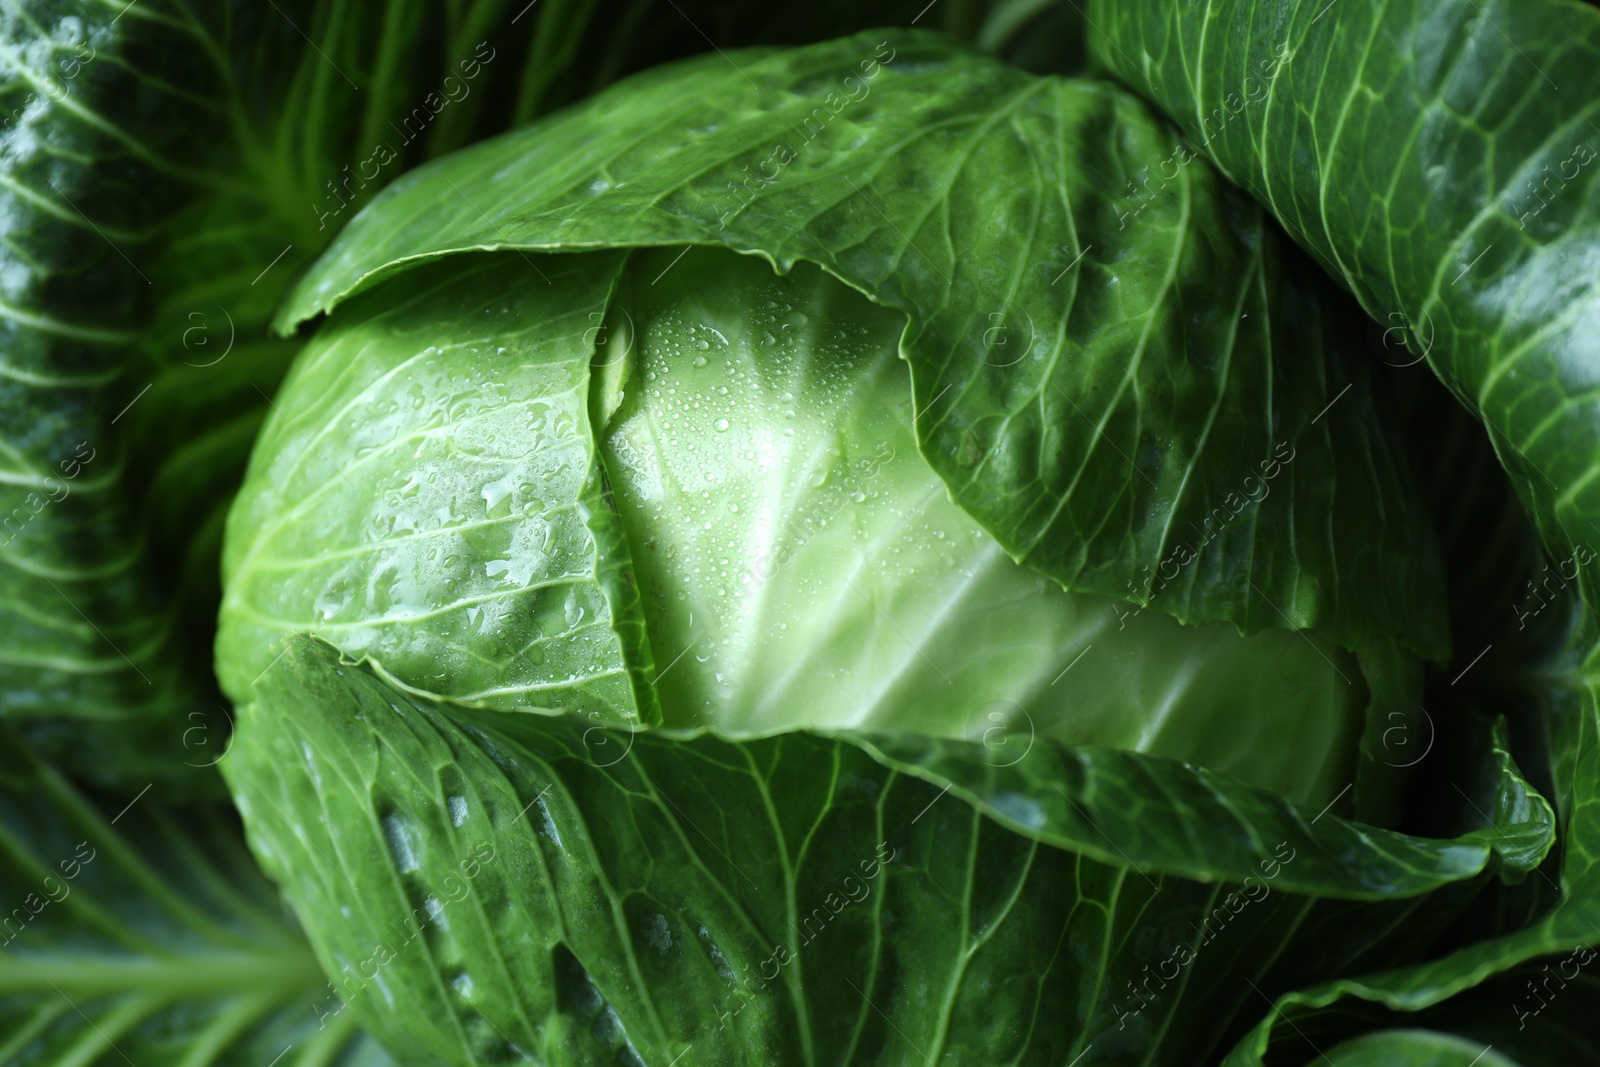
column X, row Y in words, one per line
column 801, row 565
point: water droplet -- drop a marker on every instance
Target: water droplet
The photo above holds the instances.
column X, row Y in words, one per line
column 722, row 424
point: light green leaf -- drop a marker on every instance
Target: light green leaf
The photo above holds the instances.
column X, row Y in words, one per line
column 426, row 492
column 800, row 566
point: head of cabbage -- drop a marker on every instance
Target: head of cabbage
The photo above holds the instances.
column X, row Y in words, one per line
column 908, row 504
column 675, row 487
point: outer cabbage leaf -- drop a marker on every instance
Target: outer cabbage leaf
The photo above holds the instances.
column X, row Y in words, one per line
column 485, row 886
column 1476, row 240
column 84, row 632
column 140, row 933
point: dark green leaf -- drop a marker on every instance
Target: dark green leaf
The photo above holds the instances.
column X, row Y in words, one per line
column 1473, row 237
column 485, row 885
column 134, row 932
